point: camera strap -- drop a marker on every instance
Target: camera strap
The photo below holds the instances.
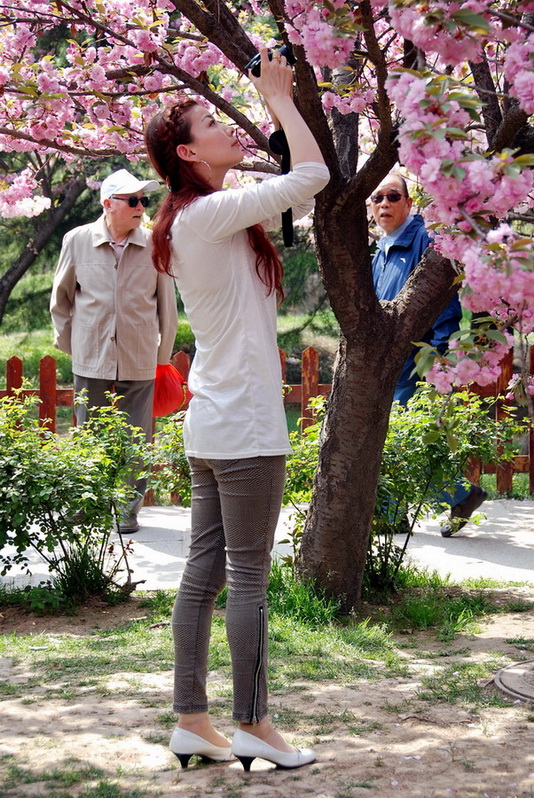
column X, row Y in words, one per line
column 278, row 144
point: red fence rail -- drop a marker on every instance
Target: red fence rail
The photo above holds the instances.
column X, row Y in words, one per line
column 52, row 397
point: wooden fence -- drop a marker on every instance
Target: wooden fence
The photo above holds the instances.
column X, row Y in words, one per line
column 52, row 397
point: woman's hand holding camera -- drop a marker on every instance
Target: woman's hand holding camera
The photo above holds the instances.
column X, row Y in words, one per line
column 275, row 83
column 275, row 78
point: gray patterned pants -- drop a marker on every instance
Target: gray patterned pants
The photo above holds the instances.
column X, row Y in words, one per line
column 234, row 511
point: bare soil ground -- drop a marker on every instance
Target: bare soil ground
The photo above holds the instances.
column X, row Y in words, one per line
column 372, row 737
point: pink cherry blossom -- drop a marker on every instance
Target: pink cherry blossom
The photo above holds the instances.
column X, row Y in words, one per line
column 18, row 198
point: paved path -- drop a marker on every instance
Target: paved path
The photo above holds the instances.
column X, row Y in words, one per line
column 502, row 546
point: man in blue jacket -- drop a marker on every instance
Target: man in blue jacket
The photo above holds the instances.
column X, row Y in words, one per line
column 398, row 253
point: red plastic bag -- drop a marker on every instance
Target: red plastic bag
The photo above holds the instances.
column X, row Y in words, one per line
column 170, row 390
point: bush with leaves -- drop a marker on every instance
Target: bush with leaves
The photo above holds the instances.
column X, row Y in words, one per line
column 170, row 473
column 301, row 468
column 427, row 448
column 62, row 497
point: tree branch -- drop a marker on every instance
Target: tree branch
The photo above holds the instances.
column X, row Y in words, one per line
column 82, row 151
column 424, row 296
column 485, row 88
column 512, row 125
column 220, row 27
column 308, row 98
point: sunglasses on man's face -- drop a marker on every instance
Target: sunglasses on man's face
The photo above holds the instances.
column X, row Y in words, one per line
column 133, row 201
column 391, row 196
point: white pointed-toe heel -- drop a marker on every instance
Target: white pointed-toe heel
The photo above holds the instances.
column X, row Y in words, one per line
column 185, row 744
column 247, row 747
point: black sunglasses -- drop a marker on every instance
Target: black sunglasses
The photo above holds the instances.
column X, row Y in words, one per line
column 392, row 196
column 133, row 201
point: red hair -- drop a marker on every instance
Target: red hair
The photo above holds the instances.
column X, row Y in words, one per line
column 164, row 132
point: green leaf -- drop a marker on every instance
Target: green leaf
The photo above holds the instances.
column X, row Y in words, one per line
column 525, row 160
column 431, row 436
column 476, row 22
column 452, row 441
column 496, row 335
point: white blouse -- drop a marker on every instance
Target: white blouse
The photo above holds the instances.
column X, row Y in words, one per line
column 237, row 409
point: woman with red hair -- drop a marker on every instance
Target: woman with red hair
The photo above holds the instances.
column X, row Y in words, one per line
column 235, row 435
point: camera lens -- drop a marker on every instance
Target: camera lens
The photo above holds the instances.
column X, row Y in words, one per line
column 254, row 65
column 287, row 52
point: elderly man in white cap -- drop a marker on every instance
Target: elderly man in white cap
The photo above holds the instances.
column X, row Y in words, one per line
column 113, row 312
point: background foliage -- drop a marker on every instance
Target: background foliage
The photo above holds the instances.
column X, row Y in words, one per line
column 62, row 496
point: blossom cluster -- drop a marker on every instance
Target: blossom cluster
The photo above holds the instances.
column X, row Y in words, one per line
column 354, row 102
column 322, row 30
column 459, row 31
column 463, row 182
column 455, row 31
column 498, row 280
column 17, row 197
column 467, row 362
column 96, row 101
column 499, row 276
column 519, row 70
column 442, row 27
column 468, row 190
column 518, row 387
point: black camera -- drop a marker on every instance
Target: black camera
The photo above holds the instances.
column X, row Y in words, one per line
column 254, row 65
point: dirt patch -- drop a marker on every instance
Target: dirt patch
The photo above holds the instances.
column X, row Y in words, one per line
column 93, row 616
column 372, row 737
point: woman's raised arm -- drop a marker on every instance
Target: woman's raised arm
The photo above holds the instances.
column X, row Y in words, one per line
column 276, row 85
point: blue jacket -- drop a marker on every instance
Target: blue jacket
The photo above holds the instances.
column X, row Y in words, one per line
column 391, row 271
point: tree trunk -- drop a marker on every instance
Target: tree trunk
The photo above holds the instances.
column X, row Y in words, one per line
column 334, row 545
column 375, row 341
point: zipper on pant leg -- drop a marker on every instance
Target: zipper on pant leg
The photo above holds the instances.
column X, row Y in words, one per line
column 259, row 666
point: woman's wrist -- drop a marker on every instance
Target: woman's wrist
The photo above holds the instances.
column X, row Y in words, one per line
column 279, row 102
column 282, row 110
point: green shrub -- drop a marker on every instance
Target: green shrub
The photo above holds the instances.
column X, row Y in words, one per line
column 40, row 599
column 427, row 448
column 302, row 463
column 184, row 337
column 301, row 468
column 170, row 467
column 62, row 497
column 31, row 347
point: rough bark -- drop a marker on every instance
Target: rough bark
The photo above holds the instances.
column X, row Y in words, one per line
column 506, row 126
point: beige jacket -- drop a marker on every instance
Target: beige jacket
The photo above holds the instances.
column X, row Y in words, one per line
column 116, row 319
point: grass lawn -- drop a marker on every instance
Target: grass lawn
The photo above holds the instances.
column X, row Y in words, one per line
column 398, row 695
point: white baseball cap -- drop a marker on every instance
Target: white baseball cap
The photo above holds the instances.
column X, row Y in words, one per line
column 122, row 182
